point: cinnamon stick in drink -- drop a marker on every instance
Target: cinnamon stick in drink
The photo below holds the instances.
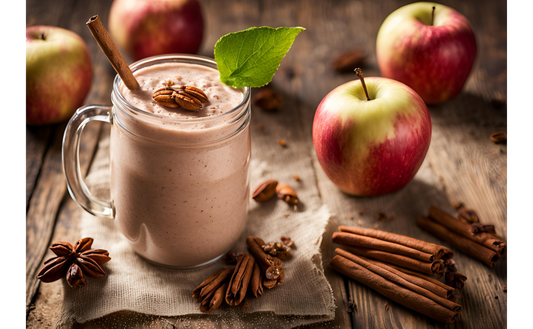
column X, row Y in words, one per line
column 393, row 291
column 111, row 51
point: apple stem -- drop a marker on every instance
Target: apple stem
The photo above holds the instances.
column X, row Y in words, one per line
column 432, row 15
column 359, row 73
column 42, row 36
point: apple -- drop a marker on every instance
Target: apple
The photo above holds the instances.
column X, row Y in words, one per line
column 146, row 28
column 430, row 50
column 58, row 74
column 371, row 145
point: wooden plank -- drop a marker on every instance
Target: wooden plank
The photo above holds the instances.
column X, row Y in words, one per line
column 50, row 188
column 43, row 206
column 37, row 142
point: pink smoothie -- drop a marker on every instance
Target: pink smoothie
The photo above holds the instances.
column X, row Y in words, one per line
column 179, row 179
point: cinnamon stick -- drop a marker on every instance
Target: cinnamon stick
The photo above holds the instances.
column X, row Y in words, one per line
column 256, row 283
column 111, row 51
column 486, row 239
column 434, row 268
column 211, row 291
column 424, row 281
column 427, row 247
column 470, row 247
column 240, row 279
column 351, row 239
column 271, row 266
column 393, row 277
column 214, row 299
column 393, row 291
column 396, row 249
column 212, row 283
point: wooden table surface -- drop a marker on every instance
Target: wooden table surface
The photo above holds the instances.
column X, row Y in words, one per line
column 462, row 163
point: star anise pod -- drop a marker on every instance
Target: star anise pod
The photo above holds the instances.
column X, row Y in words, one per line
column 74, row 263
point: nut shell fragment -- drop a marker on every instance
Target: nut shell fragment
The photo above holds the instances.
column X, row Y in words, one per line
column 265, row 191
column 268, row 100
column 287, row 194
column 499, row 137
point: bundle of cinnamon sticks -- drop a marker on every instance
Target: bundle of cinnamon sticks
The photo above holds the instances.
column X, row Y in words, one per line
column 398, row 267
column 253, row 272
column 396, row 249
column 477, row 240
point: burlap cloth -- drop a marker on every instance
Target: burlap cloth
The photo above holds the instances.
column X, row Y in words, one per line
column 134, row 285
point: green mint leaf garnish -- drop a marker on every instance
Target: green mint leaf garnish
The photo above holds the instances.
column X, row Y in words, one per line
column 250, row 58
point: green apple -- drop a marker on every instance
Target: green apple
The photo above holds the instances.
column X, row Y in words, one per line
column 58, row 74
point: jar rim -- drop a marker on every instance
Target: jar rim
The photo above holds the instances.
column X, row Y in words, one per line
column 181, row 58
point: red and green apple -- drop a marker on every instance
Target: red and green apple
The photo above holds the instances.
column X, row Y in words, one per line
column 58, row 74
column 429, row 47
column 147, row 28
column 370, row 146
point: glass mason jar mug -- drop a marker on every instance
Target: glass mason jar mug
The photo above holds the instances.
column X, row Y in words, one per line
column 179, row 187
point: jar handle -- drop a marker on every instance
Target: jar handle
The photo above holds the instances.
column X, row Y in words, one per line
column 71, row 160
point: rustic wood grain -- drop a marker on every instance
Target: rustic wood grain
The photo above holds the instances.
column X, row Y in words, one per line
column 462, row 164
column 46, row 204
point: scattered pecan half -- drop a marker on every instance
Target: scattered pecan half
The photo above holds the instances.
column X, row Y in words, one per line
column 468, row 215
column 265, row 191
column 287, row 194
column 478, row 228
column 282, row 142
column 499, row 137
column 348, row 61
column 287, row 241
column 268, row 100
